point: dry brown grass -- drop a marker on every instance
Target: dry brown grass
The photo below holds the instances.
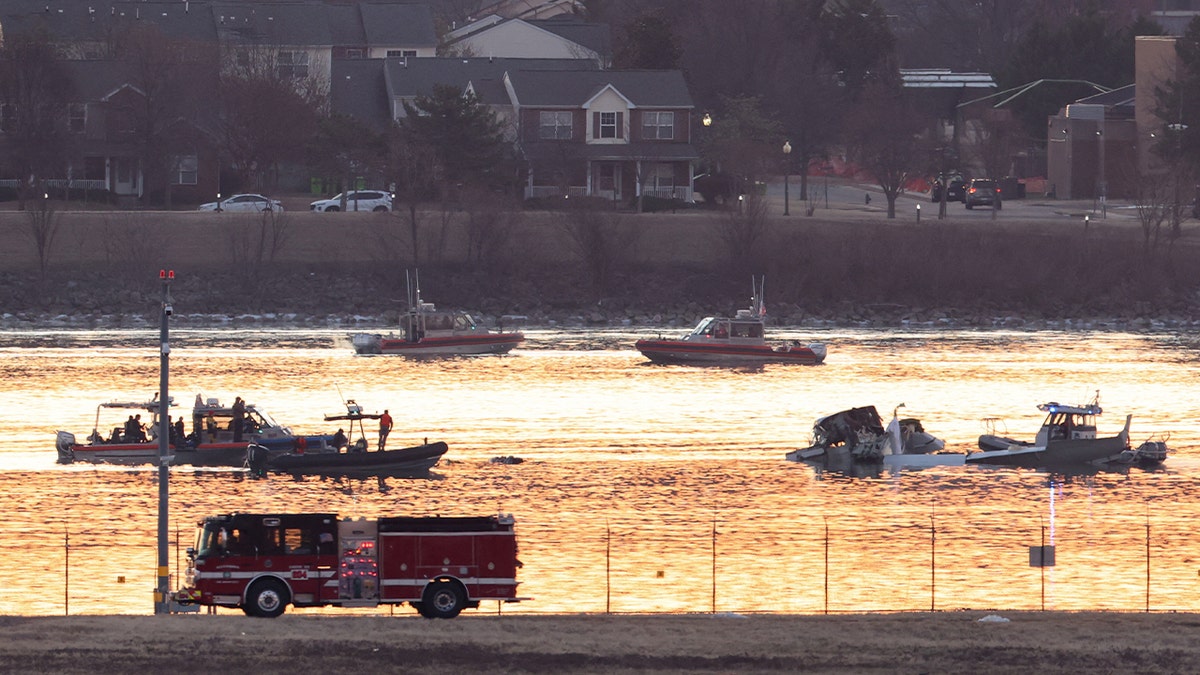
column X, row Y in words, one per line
column 315, row 263
column 875, row 643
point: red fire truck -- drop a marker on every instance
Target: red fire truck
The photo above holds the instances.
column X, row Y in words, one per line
column 263, row 562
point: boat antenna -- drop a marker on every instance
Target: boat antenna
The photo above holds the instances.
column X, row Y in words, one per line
column 340, row 395
column 756, row 299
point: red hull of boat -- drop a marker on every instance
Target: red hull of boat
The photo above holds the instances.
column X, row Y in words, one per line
column 681, row 351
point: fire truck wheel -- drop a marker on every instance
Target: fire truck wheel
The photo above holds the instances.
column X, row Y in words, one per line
column 442, row 600
column 267, row 598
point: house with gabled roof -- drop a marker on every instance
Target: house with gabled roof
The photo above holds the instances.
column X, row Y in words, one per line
column 530, row 9
column 301, row 36
column 107, row 139
column 374, row 91
column 609, row 134
column 559, row 38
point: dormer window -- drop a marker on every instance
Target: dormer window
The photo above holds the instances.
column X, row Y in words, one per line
column 608, row 125
column 658, row 126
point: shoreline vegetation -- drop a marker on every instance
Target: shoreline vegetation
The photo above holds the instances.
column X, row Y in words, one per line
column 587, row 270
column 941, row 642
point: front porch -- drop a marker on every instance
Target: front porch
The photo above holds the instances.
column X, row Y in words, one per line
column 611, row 180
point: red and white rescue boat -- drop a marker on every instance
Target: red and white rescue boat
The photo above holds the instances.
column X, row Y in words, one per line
column 737, row 340
column 428, row 331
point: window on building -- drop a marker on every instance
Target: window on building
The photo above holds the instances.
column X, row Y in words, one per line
column 401, row 53
column 661, row 178
column 608, row 125
column 658, row 125
column 556, row 125
column 292, row 65
column 77, row 117
column 354, row 53
column 187, row 167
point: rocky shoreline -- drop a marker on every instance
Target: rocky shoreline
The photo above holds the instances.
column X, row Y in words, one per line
column 646, row 301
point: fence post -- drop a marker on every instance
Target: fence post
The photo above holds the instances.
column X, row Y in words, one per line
column 66, row 571
column 607, row 567
column 714, row 566
column 826, row 563
column 1043, row 566
column 932, row 562
column 1147, row 560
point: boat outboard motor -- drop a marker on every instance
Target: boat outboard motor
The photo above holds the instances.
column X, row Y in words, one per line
column 64, row 442
column 256, row 459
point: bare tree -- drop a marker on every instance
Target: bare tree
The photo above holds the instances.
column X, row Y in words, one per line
column 490, row 219
column 251, row 247
column 741, row 233
column 266, row 105
column 884, row 137
column 413, row 162
column 43, row 227
column 34, row 92
column 601, row 240
column 171, row 77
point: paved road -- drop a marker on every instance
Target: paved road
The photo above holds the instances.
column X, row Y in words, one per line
column 844, row 195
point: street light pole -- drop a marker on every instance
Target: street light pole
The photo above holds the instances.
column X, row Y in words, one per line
column 162, row 595
column 787, row 151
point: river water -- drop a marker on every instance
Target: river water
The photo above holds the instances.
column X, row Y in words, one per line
column 643, row 488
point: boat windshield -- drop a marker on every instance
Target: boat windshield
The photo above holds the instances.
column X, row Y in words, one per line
column 463, row 322
column 267, row 421
column 705, row 326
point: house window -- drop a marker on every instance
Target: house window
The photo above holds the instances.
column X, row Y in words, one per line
column 354, row 53
column 658, row 125
column 401, row 53
column 292, row 65
column 186, row 169
column 608, row 125
column 661, row 180
column 556, row 125
column 77, row 117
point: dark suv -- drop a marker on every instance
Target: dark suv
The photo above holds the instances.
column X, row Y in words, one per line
column 955, row 184
column 982, row 191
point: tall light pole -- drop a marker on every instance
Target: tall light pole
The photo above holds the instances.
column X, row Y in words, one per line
column 162, row 596
column 787, row 151
column 1103, row 191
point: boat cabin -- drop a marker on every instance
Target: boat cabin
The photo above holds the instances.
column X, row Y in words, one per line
column 742, row 327
column 1067, row 422
column 132, row 430
column 213, row 423
column 427, row 321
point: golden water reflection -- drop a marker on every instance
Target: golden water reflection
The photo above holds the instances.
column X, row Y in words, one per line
column 644, row 488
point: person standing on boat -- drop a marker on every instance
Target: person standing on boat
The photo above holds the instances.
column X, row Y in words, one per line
column 239, row 419
column 385, row 428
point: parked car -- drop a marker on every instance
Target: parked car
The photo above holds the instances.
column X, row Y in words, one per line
column 247, row 202
column 956, row 187
column 982, row 191
column 356, row 200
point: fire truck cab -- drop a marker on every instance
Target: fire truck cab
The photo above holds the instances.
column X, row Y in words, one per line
column 264, row 562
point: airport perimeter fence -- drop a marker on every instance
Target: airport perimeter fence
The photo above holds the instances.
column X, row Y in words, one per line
column 622, row 563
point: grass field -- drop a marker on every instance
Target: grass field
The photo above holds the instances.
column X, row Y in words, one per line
column 1044, row 643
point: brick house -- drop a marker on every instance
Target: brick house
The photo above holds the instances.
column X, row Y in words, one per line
column 299, row 40
column 609, row 134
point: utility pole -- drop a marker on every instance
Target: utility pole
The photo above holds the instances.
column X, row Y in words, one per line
column 162, row 594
